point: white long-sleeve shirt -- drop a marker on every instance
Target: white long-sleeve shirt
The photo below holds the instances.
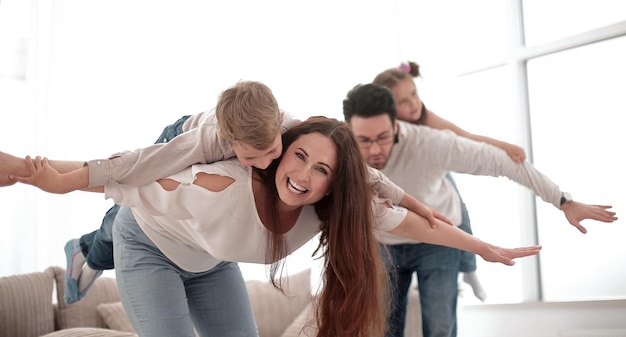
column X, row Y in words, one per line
column 197, row 228
column 199, row 143
column 423, row 156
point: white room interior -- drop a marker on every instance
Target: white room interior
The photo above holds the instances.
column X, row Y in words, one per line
column 82, row 79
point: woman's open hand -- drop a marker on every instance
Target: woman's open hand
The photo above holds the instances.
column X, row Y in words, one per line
column 507, row 255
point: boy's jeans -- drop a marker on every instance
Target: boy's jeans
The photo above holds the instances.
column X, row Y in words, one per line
column 97, row 246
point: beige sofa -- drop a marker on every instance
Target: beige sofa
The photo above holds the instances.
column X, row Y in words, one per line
column 31, row 305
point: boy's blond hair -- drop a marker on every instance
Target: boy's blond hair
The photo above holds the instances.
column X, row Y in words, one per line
column 248, row 113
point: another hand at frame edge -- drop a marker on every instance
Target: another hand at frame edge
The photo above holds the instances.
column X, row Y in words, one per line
column 47, row 178
column 9, row 165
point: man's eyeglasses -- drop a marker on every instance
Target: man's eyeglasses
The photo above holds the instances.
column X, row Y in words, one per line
column 365, row 143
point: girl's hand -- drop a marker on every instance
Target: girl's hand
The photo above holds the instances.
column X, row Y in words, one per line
column 440, row 217
column 516, row 153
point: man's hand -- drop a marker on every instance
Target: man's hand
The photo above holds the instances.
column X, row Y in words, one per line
column 575, row 212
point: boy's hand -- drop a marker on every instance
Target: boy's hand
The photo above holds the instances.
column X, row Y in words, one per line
column 42, row 175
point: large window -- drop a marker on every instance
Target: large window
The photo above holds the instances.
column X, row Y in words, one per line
column 550, row 21
column 557, row 90
column 576, row 105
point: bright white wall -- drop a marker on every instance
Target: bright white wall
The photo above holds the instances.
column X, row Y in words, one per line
column 108, row 76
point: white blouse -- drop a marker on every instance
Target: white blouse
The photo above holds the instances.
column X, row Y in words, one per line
column 197, row 228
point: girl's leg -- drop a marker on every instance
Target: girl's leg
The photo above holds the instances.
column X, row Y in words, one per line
column 468, row 260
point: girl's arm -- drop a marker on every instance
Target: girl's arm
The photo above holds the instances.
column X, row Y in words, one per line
column 387, row 189
column 516, row 153
column 416, row 228
column 412, row 204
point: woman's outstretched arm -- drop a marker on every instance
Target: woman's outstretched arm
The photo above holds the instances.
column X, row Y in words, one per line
column 417, row 228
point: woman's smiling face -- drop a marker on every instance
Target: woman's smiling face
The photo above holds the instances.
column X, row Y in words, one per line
column 306, row 170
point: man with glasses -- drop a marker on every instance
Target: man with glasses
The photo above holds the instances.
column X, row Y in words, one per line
column 417, row 158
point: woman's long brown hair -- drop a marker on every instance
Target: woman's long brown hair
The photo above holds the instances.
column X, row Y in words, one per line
column 354, row 300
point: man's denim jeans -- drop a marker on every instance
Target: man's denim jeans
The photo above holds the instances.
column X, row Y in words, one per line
column 437, row 269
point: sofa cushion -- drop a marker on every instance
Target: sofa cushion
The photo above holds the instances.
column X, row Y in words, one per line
column 273, row 310
column 89, row 332
column 83, row 313
column 26, row 307
column 115, row 317
column 303, row 325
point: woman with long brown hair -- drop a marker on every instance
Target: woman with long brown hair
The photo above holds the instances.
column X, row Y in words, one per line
column 178, row 240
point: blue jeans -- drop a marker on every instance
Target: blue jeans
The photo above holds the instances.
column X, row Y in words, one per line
column 97, row 246
column 437, row 269
column 161, row 299
column 468, row 260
